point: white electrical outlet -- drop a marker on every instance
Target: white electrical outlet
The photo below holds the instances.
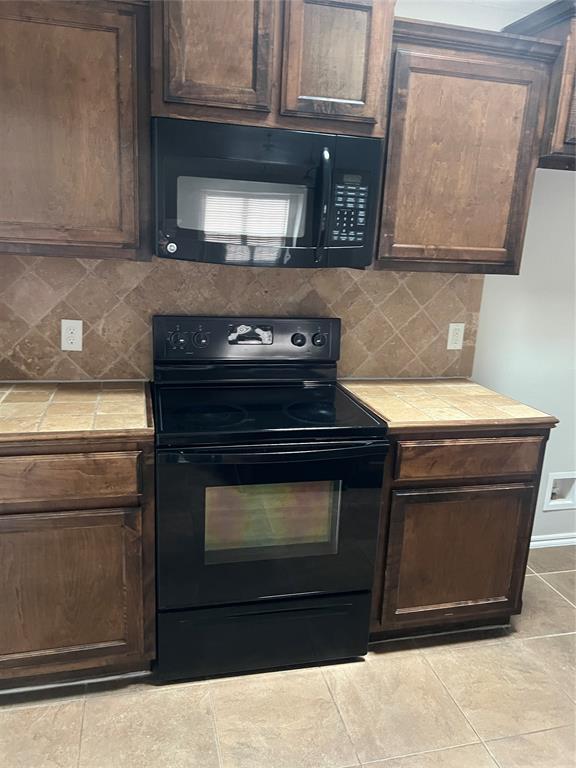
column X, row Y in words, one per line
column 71, row 335
column 455, row 335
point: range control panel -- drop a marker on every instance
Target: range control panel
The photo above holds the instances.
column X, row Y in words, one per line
column 349, row 210
column 188, row 338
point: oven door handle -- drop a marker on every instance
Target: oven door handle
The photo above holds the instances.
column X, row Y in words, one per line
column 291, row 453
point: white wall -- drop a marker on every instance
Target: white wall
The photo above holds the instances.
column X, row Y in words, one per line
column 485, row 14
column 526, row 345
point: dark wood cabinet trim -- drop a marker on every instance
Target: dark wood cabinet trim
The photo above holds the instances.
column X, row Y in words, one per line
column 540, row 20
column 434, row 35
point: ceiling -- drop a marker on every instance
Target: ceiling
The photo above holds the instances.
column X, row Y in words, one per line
column 486, row 14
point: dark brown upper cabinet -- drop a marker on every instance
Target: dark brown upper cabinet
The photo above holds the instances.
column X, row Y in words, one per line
column 466, row 118
column 319, row 65
column 557, row 22
column 216, row 53
column 73, row 131
column 335, row 58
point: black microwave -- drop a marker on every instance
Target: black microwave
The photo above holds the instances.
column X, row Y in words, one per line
column 231, row 194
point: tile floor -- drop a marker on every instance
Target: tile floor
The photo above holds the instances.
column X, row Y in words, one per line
column 491, row 699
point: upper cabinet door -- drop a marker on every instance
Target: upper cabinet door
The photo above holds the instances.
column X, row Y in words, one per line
column 215, row 52
column 336, row 56
column 69, row 129
column 463, row 147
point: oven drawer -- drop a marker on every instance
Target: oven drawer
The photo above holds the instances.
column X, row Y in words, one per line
column 60, row 481
column 214, row 641
column 491, row 457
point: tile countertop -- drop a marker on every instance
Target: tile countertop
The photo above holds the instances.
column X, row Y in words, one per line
column 434, row 403
column 31, row 410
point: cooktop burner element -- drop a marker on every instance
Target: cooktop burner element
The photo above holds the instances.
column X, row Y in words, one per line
column 320, row 412
column 199, row 416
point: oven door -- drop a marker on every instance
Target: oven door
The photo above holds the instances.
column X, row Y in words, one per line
column 254, row 522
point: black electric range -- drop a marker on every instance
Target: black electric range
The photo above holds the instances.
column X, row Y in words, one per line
column 268, row 481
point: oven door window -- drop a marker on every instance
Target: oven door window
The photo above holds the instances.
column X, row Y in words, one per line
column 271, row 520
column 239, row 212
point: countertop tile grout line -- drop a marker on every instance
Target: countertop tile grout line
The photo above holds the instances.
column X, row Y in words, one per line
column 340, row 715
column 541, row 577
column 45, row 411
column 480, row 739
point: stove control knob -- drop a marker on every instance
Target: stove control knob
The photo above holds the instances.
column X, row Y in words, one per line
column 201, row 339
column 319, row 339
column 298, row 339
column 178, row 340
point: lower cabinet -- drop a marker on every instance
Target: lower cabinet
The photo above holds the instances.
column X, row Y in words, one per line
column 457, row 514
column 456, row 553
column 70, row 588
column 76, row 559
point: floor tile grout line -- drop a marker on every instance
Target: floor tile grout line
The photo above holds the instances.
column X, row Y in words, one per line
column 426, row 752
column 443, row 684
column 340, row 715
column 215, row 726
column 551, row 573
column 527, row 733
column 81, row 729
column 541, row 577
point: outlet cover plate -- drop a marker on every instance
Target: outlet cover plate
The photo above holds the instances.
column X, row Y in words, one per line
column 71, row 335
column 455, row 336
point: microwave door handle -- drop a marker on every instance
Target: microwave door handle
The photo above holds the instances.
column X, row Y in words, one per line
column 325, row 190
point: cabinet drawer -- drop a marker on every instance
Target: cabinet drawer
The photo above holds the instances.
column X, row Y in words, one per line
column 59, row 480
column 495, row 457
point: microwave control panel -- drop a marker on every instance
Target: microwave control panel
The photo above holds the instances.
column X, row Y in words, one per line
column 350, row 205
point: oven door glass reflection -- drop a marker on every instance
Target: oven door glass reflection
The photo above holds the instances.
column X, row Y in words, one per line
column 271, row 520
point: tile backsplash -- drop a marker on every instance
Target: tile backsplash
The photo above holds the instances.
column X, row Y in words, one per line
column 394, row 324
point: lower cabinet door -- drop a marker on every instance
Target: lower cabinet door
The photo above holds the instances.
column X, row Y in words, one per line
column 70, row 590
column 456, row 555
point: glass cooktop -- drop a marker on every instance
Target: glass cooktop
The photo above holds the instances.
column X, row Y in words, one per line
column 231, row 411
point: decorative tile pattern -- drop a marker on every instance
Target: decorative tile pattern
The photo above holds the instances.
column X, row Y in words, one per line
column 395, row 324
column 72, row 407
column 410, row 403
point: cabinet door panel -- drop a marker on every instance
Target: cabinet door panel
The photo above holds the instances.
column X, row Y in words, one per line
column 336, row 58
column 456, row 554
column 219, row 52
column 68, row 134
column 461, row 158
column 70, row 586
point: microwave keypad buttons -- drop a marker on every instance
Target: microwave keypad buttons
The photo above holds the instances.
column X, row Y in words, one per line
column 350, row 219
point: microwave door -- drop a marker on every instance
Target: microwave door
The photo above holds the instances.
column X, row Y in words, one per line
column 240, row 212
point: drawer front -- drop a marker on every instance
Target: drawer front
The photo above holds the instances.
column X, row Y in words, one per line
column 59, row 480
column 494, row 457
